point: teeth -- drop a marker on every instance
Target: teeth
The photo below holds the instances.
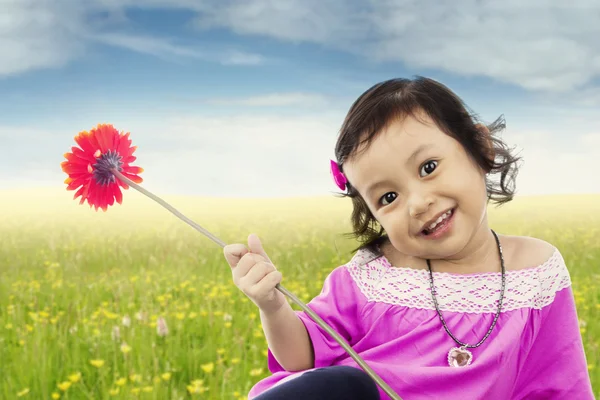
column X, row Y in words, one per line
column 440, row 219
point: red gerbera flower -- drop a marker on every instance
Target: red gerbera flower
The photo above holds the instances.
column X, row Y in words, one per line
column 89, row 167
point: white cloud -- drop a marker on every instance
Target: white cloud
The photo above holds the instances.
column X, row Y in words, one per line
column 51, row 33
column 149, row 45
column 237, row 57
column 36, row 35
column 274, row 100
column 244, row 155
column 539, row 45
column 270, row 155
column 555, row 172
column 166, row 49
column 551, row 167
column 297, row 21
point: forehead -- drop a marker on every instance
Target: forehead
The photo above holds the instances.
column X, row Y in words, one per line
column 394, row 145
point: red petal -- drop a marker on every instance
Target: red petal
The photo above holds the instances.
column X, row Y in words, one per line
column 83, row 155
column 74, row 159
column 74, row 168
column 78, row 193
column 105, row 134
column 133, row 170
column 123, row 184
column 124, row 146
column 83, row 141
column 117, row 193
column 134, row 178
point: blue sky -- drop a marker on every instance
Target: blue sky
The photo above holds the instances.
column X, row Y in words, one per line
column 245, row 98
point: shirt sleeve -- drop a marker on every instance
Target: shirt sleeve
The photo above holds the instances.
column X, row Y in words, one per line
column 339, row 304
column 556, row 366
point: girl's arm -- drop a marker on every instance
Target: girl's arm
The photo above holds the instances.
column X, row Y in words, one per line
column 296, row 342
column 288, row 339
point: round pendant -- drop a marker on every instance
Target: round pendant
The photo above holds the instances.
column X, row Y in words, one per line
column 459, row 357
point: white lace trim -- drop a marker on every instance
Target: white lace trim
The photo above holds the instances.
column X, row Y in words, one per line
column 473, row 293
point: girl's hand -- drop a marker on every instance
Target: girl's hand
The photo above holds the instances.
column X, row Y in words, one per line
column 255, row 275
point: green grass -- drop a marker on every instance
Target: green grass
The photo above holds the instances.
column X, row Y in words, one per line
column 68, row 276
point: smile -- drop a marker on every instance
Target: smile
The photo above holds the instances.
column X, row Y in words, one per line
column 439, row 226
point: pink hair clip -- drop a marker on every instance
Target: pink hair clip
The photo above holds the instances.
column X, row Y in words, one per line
column 338, row 176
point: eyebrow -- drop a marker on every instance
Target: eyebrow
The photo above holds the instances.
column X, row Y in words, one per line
column 409, row 160
column 374, row 186
column 418, row 151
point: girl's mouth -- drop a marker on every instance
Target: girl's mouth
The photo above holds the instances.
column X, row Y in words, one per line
column 439, row 226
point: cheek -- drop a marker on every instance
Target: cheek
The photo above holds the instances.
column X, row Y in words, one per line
column 395, row 223
column 471, row 193
column 467, row 182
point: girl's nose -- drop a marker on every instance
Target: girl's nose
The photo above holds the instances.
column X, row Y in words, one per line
column 418, row 204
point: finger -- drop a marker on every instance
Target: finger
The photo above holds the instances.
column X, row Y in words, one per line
column 233, row 253
column 255, row 246
column 258, row 271
column 268, row 282
column 246, row 263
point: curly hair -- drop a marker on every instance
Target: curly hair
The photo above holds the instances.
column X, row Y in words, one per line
column 395, row 99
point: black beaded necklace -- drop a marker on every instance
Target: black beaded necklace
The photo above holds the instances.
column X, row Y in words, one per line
column 460, row 356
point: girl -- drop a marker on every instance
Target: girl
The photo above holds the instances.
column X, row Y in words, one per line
column 437, row 303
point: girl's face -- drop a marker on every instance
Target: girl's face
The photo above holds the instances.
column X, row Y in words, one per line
column 410, row 175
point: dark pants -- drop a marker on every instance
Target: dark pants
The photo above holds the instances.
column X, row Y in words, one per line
column 328, row 383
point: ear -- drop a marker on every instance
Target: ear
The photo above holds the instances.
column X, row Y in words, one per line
column 485, row 133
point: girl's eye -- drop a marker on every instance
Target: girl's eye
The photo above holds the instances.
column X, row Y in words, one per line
column 388, row 197
column 428, row 168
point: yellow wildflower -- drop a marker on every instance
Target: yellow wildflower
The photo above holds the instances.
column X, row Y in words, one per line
column 75, row 377
column 208, row 368
column 97, row 363
column 125, row 348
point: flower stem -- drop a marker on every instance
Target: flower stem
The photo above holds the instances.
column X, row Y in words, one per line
column 388, row 390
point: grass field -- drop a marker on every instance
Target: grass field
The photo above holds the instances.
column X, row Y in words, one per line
column 82, row 292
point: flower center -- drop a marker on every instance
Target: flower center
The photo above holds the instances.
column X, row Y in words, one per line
column 107, row 161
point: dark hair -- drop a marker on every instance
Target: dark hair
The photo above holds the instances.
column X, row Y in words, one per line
column 395, row 99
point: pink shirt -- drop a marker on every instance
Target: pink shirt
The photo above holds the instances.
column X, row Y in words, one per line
column 388, row 316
